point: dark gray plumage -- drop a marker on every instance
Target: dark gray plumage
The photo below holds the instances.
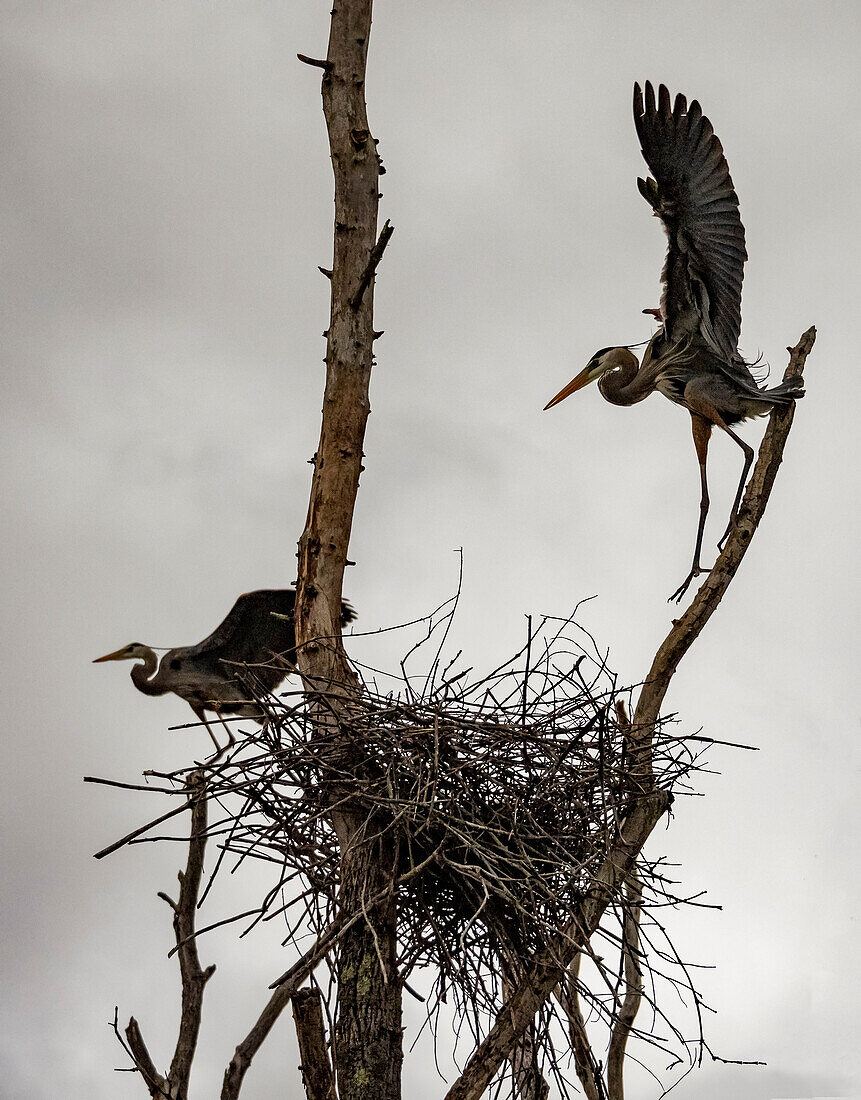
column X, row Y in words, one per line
column 694, row 197
column 693, row 358
column 247, row 655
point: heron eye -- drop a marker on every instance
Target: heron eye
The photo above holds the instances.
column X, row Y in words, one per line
column 176, row 663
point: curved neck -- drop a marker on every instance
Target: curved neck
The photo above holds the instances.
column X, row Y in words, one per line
column 141, row 676
column 629, row 381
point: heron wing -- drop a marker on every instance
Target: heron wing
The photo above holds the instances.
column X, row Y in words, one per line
column 693, row 195
column 258, row 631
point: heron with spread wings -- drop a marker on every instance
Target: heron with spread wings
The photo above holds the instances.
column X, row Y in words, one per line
column 245, row 657
column 693, row 358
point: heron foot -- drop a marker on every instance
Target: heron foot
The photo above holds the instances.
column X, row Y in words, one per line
column 686, row 583
column 733, row 520
column 221, row 750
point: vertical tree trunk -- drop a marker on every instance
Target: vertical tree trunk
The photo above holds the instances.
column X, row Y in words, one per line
column 368, row 1046
column 367, row 1040
column 349, row 348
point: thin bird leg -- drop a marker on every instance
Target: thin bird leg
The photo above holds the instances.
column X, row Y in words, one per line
column 231, row 738
column 702, row 430
column 201, row 717
column 748, row 460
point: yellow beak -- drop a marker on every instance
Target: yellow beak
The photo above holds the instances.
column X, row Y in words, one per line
column 116, row 656
column 583, row 379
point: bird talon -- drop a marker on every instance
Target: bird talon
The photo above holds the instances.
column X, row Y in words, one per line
column 733, row 520
column 686, row 583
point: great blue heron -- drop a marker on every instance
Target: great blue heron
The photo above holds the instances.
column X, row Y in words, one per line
column 693, row 359
column 248, row 654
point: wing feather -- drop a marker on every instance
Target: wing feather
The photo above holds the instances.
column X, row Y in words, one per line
column 255, row 632
column 692, row 193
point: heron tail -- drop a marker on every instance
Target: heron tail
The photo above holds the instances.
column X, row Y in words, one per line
column 787, row 391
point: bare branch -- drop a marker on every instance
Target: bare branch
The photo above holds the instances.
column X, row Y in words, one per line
column 194, row 977
column 585, row 1063
column 281, row 997
column 349, row 348
column 687, row 628
column 311, row 1035
column 550, row 964
column 157, row 1085
column 527, row 1079
column 371, row 268
column 142, row 829
column 633, row 977
column 368, row 1026
column 315, row 61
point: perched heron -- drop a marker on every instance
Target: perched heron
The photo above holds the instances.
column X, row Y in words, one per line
column 693, row 358
column 249, row 654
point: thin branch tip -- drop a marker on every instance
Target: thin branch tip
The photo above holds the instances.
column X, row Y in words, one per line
column 373, row 262
column 316, row 62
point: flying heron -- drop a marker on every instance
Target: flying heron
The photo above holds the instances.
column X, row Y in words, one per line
column 693, row 358
column 249, row 654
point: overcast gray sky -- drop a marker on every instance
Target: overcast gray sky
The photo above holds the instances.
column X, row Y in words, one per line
column 165, row 199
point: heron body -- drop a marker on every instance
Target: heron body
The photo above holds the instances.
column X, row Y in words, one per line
column 246, row 656
column 693, row 358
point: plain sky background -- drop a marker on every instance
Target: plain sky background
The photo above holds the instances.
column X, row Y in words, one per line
column 164, row 204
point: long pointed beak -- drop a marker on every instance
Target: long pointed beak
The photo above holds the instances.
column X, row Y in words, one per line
column 116, row 656
column 583, row 379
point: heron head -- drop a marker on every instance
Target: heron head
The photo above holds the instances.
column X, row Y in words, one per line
column 602, row 361
column 133, row 652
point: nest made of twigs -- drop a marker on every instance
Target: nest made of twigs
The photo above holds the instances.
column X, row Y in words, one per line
column 500, row 795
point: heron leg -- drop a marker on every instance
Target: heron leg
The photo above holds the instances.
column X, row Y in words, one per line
column 702, row 430
column 748, row 461
column 201, row 717
column 231, row 737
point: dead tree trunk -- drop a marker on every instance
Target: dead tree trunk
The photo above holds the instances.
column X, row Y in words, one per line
column 367, row 1041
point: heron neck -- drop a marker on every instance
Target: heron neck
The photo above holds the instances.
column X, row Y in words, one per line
column 632, row 381
column 141, row 676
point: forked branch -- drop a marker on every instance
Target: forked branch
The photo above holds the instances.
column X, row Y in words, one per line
column 194, row 977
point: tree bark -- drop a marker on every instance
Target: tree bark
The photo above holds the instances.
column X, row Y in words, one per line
column 349, row 349
column 367, row 1039
column 368, row 1032
column 633, row 980
column 587, row 1067
column 311, row 1035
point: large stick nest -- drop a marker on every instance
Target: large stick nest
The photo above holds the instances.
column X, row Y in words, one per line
column 501, row 794
column 500, row 797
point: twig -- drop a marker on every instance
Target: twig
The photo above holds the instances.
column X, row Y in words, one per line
column 319, row 63
column 373, row 262
column 157, row 1085
column 143, row 829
